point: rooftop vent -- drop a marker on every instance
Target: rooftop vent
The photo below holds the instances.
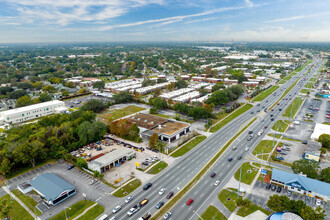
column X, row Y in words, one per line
column 159, row 127
column 139, row 119
column 145, row 120
column 152, row 122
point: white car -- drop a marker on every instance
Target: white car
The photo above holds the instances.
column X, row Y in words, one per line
column 216, row 183
column 318, row 202
column 161, row 192
column 116, row 209
column 129, row 199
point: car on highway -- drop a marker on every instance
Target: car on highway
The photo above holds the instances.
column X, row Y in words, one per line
column 250, row 132
column 143, row 202
column 116, row 209
column 159, row 204
column 189, row 201
column 161, row 191
column 278, row 103
column 271, row 115
column 212, row 175
column 169, row 195
column 145, row 217
column 266, row 127
column 216, row 183
column 258, row 110
column 239, row 157
column 249, row 138
column 128, row 199
column 272, row 119
column 272, row 110
column 167, row 216
column 230, row 159
column 147, row 186
column 247, row 148
column 252, row 113
column 280, row 109
column 133, row 210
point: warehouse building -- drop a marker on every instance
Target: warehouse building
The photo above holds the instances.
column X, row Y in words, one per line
column 51, row 188
column 301, row 184
column 320, row 129
column 187, row 97
column 19, row 115
column 111, row 159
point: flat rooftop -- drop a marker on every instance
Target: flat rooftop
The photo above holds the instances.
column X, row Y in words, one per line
column 146, row 121
column 112, row 156
column 170, row 127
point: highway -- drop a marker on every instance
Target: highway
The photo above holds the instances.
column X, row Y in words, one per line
column 185, row 168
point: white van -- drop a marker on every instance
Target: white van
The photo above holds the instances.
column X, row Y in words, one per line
column 103, row 217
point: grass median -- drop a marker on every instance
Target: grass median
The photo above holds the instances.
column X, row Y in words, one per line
column 199, row 176
column 188, row 146
column 293, row 107
column 128, row 188
column 93, row 213
column 212, row 213
column 284, row 94
column 247, row 175
column 74, row 210
column 280, row 125
column 264, row 146
column 232, row 116
column 161, row 165
column 265, row 93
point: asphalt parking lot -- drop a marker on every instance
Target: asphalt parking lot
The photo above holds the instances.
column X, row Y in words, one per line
column 295, row 153
column 80, row 101
column 318, row 116
column 260, row 195
column 302, row 132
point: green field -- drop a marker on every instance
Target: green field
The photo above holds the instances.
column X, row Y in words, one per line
column 246, row 176
column 282, row 81
column 188, row 146
column 305, row 90
column 28, row 201
column 293, row 107
column 17, row 212
column 309, row 85
column 119, row 113
column 280, row 125
column 261, row 147
column 313, row 80
column 161, row 165
column 212, row 213
column 265, row 93
column 93, row 213
column 74, row 210
column 287, row 77
column 230, row 204
column 128, row 188
column 247, row 211
column 236, row 113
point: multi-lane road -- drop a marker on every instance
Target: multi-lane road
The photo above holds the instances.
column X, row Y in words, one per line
column 175, row 177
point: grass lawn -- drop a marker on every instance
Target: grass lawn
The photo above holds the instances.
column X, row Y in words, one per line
column 304, row 90
column 212, row 213
column 17, row 212
column 265, row 93
column 280, row 125
column 285, row 92
column 313, row 79
column 287, row 77
column 309, row 85
column 28, row 201
column 282, row 81
column 161, row 165
column 128, row 188
column 119, row 113
column 261, row 147
column 246, row 177
column 245, row 212
column 93, row 213
column 224, row 195
column 294, row 106
column 74, row 210
column 233, row 115
column 188, row 146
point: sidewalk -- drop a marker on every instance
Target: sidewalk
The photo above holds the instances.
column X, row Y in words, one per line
column 20, row 202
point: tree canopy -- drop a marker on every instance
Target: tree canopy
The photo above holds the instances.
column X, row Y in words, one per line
column 95, row 105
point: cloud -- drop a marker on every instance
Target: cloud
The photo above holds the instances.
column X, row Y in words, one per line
column 249, row 3
column 201, row 20
column 227, row 28
column 296, row 17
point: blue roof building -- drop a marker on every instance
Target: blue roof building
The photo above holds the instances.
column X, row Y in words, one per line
column 301, row 184
column 284, row 216
column 52, row 188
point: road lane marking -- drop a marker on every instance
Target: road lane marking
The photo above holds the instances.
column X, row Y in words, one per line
column 202, row 195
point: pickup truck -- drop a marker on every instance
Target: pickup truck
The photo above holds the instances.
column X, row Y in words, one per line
column 145, row 217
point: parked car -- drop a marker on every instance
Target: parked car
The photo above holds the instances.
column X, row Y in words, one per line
column 116, row 209
column 272, row 119
column 268, row 186
column 273, row 188
column 155, row 150
column 92, row 181
column 279, row 189
column 189, row 201
column 169, row 195
column 70, row 167
column 283, row 153
column 318, row 202
column 289, row 193
column 147, row 186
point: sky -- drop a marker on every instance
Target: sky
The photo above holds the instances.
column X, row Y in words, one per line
column 29, row 21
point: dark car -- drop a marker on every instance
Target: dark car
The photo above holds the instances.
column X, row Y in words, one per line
column 258, row 110
column 280, row 109
column 155, row 150
column 252, row 113
column 145, row 163
column 147, row 186
column 265, row 127
column 70, row 167
column 230, row 159
column 258, row 105
column 249, row 138
column 279, row 189
column 272, row 119
column 272, row 110
column 239, row 157
column 273, row 187
column 268, row 186
column 169, row 195
column 159, row 205
column 250, row 132
column 271, row 115
column 212, row 175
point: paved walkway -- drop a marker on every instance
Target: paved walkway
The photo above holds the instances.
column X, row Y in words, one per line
column 20, row 202
column 84, row 212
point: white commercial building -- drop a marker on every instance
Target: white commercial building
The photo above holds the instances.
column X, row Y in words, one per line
column 148, row 89
column 201, row 99
column 320, row 129
column 19, row 115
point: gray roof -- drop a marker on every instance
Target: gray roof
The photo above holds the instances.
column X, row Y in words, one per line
column 50, row 185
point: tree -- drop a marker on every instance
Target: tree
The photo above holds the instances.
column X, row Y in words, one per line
column 159, row 103
column 218, row 98
column 99, row 85
column 123, row 97
column 153, row 140
column 308, row 213
column 278, row 203
column 49, row 89
column 95, row 105
column 153, row 110
column 325, row 175
column 4, row 209
column 181, row 84
column 17, row 93
column 307, row 167
column 181, row 107
column 218, row 86
column 25, row 85
column 38, row 85
column 81, row 162
column 198, row 113
column 23, row 101
column 325, row 140
column 5, row 90
column 160, row 146
column 45, row 97
column 70, row 84
column 65, row 93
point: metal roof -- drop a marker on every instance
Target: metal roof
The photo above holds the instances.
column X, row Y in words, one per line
column 50, row 185
column 113, row 156
column 309, row 184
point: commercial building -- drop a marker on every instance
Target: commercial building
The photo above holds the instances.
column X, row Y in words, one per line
column 201, row 99
column 111, row 159
column 301, row 184
column 167, row 130
column 19, row 115
column 312, row 151
column 320, row 129
column 187, row 97
column 175, row 93
column 198, row 86
column 148, row 89
column 50, row 187
column 254, row 84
